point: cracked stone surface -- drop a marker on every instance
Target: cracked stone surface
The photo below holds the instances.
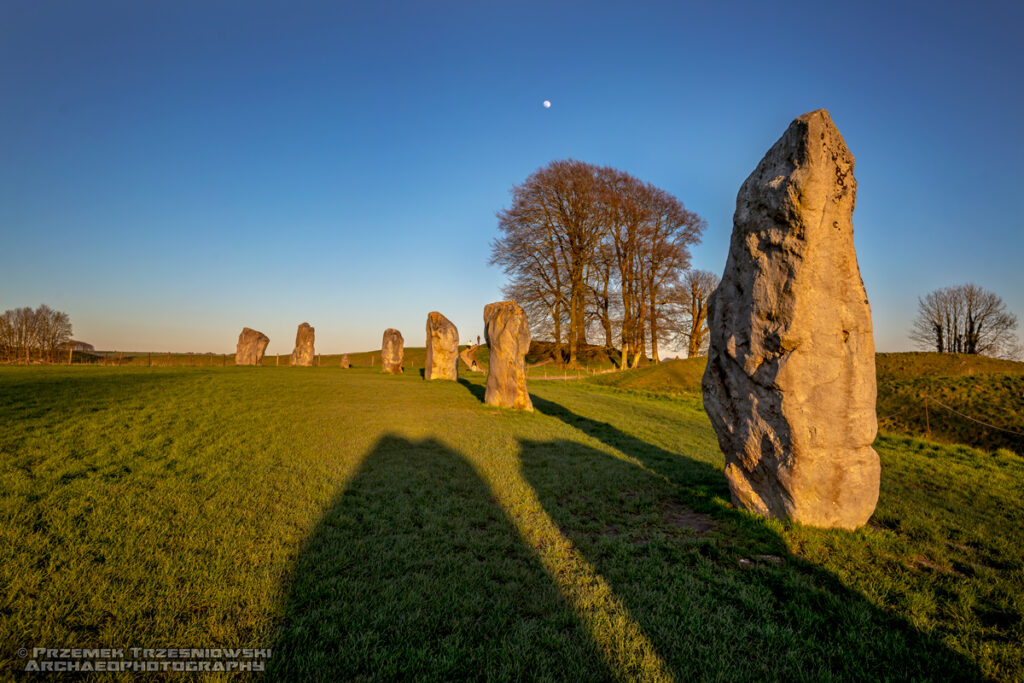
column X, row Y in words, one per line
column 442, row 348
column 508, row 338
column 790, row 380
column 392, row 351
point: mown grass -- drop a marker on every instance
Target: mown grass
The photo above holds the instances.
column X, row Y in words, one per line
column 379, row 527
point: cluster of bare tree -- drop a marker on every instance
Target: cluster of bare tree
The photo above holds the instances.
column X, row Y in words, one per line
column 26, row 333
column 593, row 249
column 965, row 319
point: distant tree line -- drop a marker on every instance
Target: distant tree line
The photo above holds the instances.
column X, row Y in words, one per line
column 965, row 319
column 592, row 250
column 26, row 333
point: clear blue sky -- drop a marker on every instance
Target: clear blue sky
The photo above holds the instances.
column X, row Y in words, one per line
column 173, row 171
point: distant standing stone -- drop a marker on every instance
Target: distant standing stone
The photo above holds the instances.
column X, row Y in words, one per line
column 251, row 345
column 442, row 348
column 303, row 353
column 344, row 361
column 508, row 337
column 392, row 351
column 790, row 379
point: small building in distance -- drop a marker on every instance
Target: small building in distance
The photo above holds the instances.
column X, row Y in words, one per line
column 78, row 346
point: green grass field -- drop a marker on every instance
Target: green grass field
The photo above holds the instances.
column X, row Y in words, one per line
column 379, row 527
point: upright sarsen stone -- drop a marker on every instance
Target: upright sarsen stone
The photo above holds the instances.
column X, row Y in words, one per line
column 392, row 351
column 303, row 353
column 508, row 338
column 442, row 348
column 251, row 345
column 790, row 380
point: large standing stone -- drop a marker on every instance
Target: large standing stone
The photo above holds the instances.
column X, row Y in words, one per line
column 344, row 361
column 442, row 348
column 303, row 353
column 790, row 380
column 251, row 345
column 508, row 338
column 392, row 351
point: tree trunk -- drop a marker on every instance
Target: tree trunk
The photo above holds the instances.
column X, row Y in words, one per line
column 654, row 334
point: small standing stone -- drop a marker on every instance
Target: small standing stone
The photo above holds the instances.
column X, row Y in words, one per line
column 508, row 337
column 251, row 345
column 303, row 353
column 442, row 348
column 392, row 351
column 344, row 361
column 790, row 379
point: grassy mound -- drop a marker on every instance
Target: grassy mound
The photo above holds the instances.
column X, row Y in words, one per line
column 915, row 364
column 965, row 391
column 372, row 526
column 970, row 399
column 680, row 376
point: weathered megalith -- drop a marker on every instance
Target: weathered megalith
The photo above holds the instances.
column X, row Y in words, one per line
column 344, row 361
column 392, row 351
column 790, row 379
column 251, row 345
column 303, row 353
column 442, row 348
column 508, row 338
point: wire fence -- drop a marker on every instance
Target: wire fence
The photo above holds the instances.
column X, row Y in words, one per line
column 935, row 419
column 972, row 419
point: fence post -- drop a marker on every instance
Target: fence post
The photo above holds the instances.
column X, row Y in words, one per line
column 277, row 359
column 71, row 352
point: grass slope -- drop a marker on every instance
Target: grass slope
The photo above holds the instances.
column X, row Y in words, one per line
column 379, row 527
column 986, row 389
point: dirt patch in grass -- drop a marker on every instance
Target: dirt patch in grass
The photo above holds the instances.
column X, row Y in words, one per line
column 679, row 517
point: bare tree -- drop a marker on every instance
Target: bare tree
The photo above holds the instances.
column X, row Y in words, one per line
column 695, row 289
column 53, row 331
column 604, row 298
column 964, row 319
column 550, row 234
column 7, row 348
column 665, row 254
column 623, row 217
column 24, row 331
column 585, row 244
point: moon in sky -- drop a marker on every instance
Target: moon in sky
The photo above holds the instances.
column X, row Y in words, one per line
column 547, row 104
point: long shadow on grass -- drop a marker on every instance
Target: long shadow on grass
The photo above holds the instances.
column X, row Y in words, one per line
column 715, row 590
column 415, row 572
column 477, row 390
